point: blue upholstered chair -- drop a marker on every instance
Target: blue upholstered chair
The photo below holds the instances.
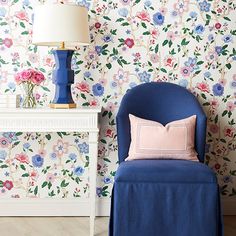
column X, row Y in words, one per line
column 163, row 197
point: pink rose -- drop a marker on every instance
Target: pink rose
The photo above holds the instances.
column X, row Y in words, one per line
column 22, row 158
column 7, row 42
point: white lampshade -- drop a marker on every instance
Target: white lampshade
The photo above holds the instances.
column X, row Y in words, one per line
column 58, row 23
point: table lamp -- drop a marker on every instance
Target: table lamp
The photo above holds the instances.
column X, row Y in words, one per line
column 66, row 27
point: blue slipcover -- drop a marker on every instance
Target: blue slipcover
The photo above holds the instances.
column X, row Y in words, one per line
column 163, row 197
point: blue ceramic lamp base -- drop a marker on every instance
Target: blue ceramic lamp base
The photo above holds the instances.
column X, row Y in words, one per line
column 63, row 78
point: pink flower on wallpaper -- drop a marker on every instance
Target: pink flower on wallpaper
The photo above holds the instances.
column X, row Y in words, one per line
column 97, row 25
column 83, row 86
column 4, row 142
column 230, row 106
column 204, row 87
column 49, row 61
column 93, row 102
column 214, row 103
column 217, row 25
column 110, row 106
column 34, row 175
column 181, row 6
column 154, row 58
column 143, row 15
column 121, row 76
column 109, row 132
column 7, row 42
column 50, row 177
column 155, row 33
column 61, row 148
column 129, row 42
column 211, row 56
column 42, row 152
column 171, row 35
column 33, row 57
column 22, row 15
column 23, row 158
column 169, row 61
column 229, row 131
column 214, row 128
column 8, row 184
column 185, row 71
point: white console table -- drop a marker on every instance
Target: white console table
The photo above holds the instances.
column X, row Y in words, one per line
column 54, row 120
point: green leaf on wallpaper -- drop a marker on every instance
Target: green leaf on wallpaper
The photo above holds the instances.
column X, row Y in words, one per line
column 184, row 42
column 79, row 62
column 36, row 190
column 109, row 65
column 48, row 136
column 16, row 143
column 49, row 185
column 83, row 96
column 223, row 140
column 206, row 104
column 146, row 33
column 45, row 89
column 208, row 17
column 228, row 65
column 64, row 184
column 45, row 183
column 163, row 70
column 226, row 158
column 106, row 159
column 120, row 19
column 4, row 166
column 3, row 23
column 59, row 134
column 25, row 32
column 233, row 172
column 165, row 42
column 137, row 1
column 103, row 141
column 227, row 18
column 200, row 62
column 85, row 104
column 104, row 113
column 106, row 18
column 224, row 112
column 144, row 25
column 1, row 184
column 203, row 95
column 19, row 133
column 216, row 119
column 229, row 114
column 22, row 167
column 22, row 24
column 157, row 48
column 125, row 24
column 25, row 175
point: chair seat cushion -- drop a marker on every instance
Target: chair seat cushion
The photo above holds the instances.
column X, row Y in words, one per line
column 164, row 171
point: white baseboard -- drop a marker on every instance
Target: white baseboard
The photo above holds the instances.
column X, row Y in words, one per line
column 72, row 207
column 52, row 207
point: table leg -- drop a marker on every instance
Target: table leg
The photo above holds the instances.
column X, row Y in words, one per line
column 93, row 153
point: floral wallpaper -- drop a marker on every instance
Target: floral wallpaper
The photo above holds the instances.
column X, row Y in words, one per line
column 187, row 42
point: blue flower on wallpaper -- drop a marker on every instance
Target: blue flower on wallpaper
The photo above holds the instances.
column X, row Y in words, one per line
column 11, row 136
column 227, row 38
column 98, row 49
column 87, row 74
column 53, row 156
column 199, row 29
column 98, row 89
column 37, row 160
column 147, row 3
column 11, row 86
column 26, row 2
column 107, row 180
column 99, row 191
column 26, row 145
column 107, row 38
column 204, row 6
column 207, row 74
column 123, row 12
column 3, row 12
column 183, row 83
column 233, row 84
column 72, row 156
column 113, row 84
column 83, row 3
column 193, row 14
column 210, row 37
column 3, row 154
column 158, row 18
column 144, row 76
column 218, row 50
column 79, row 171
column 84, row 147
column 218, row 89
column 192, row 64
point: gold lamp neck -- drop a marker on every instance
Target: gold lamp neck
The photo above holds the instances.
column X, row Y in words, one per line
column 62, row 46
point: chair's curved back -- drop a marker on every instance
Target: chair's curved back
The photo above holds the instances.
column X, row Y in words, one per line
column 162, row 102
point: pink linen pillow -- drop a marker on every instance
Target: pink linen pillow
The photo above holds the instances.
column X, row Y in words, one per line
column 152, row 140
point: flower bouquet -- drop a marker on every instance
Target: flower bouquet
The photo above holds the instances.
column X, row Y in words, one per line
column 29, row 79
